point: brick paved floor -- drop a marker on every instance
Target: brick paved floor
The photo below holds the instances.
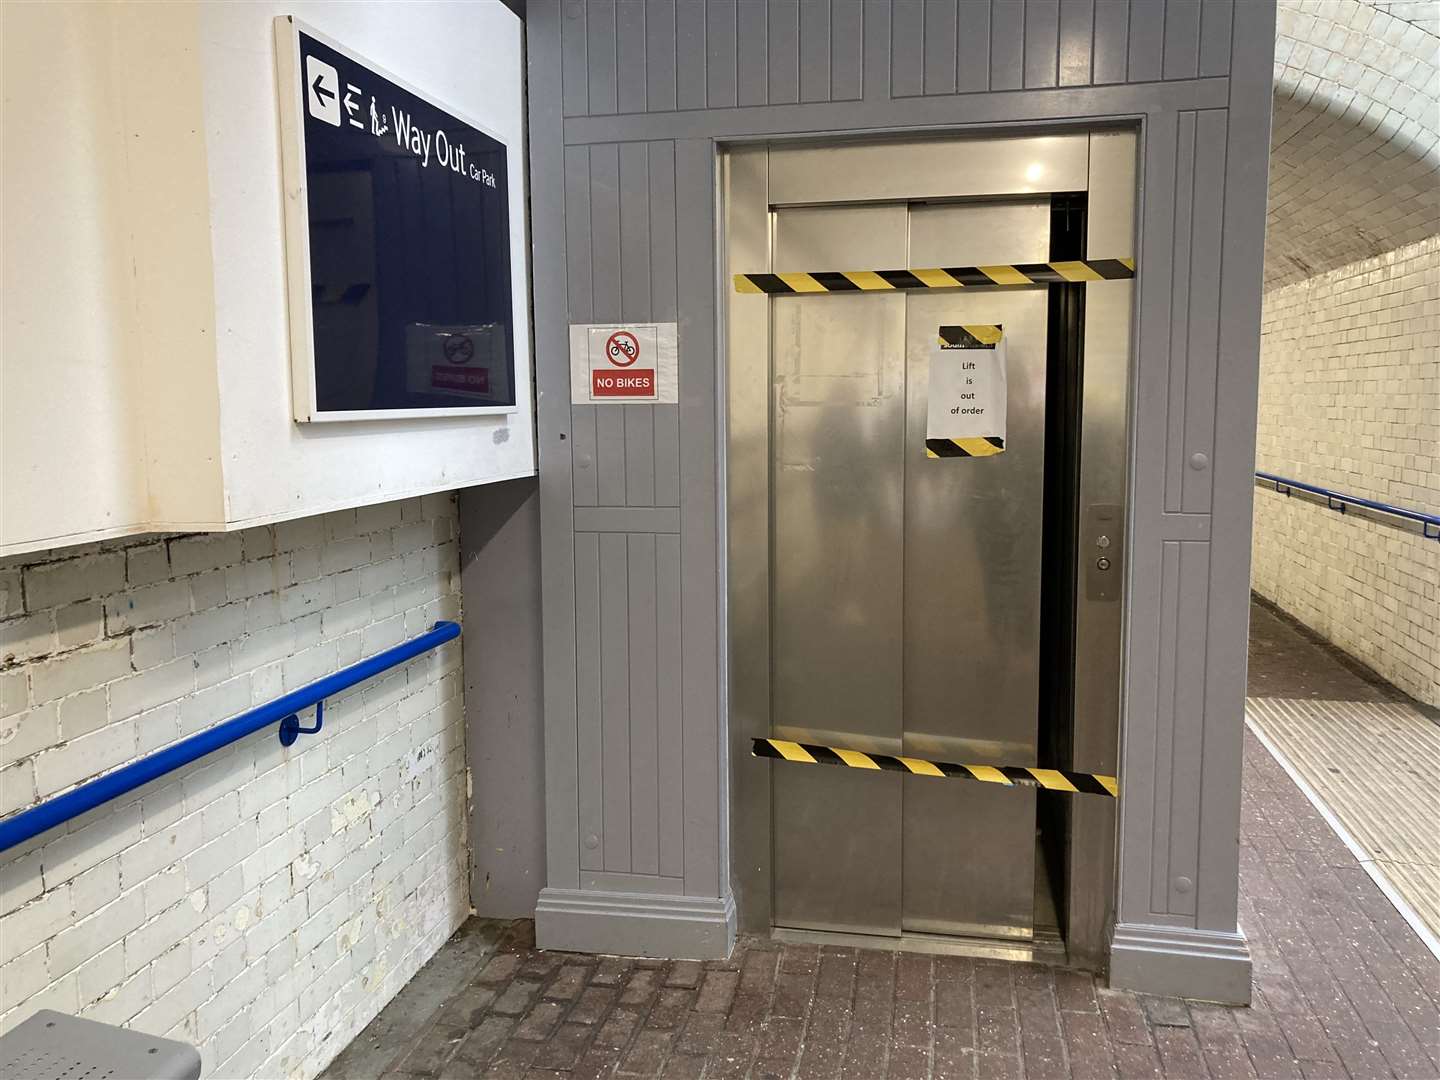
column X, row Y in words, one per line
column 1343, row 989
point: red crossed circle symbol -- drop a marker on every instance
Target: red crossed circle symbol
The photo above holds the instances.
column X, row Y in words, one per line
column 623, row 348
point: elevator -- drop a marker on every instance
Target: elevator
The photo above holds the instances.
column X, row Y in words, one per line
column 891, row 601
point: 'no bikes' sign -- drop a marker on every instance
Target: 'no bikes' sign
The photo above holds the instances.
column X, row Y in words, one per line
column 622, row 364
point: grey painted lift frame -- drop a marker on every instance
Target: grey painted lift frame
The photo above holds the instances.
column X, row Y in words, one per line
column 628, row 104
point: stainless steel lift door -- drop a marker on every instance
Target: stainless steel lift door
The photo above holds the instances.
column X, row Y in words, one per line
column 904, row 590
column 972, row 591
column 837, row 478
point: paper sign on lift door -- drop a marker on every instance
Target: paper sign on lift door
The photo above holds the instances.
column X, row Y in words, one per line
column 966, row 412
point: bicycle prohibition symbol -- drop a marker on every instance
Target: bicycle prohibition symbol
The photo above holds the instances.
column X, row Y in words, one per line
column 622, row 348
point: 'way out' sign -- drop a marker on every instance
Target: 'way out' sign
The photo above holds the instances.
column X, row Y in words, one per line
column 620, row 363
column 397, row 219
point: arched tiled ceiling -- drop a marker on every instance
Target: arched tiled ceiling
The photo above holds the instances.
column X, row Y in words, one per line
column 1355, row 152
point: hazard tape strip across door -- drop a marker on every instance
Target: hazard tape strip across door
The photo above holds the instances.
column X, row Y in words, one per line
column 1074, row 783
column 954, row 277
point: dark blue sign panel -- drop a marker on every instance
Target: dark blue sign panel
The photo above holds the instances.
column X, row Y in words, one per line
column 409, row 232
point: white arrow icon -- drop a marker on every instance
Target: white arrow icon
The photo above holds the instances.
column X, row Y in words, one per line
column 352, row 106
column 322, row 85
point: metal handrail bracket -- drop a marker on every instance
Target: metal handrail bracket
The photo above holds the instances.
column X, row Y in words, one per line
column 22, row 826
column 1340, row 502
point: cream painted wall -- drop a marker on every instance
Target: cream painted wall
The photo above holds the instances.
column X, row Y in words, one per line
column 146, row 344
column 91, row 226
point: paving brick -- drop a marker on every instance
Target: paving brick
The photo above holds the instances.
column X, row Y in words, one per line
column 618, row 1029
column 568, row 983
column 699, row 1032
column 824, row 1048
column 1164, row 1012
column 952, row 1061
column 912, row 977
column 640, row 987
column 874, row 975
column 793, row 991
column 596, row 1062
column 516, row 998
column 513, row 1060
column 430, row 1055
column 684, row 973
column 1087, row 1046
column 954, row 998
column 996, row 1020
column 684, row 1067
column 647, row 1053
column 594, row 1003
column 1269, row 1052
column 540, row 1021
column 908, row 1063
column 1306, row 1036
column 500, row 968
column 911, row 1024
column 757, row 971
column 467, row 1009
column 1136, row 1062
column 1180, row 1055
column 1124, row 1018
column 998, row 1066
column 716, row 991
column 1075, row 991
column 565, row 1047
column 732, row 1057
column 748, row 1010
column 866, row 1052
column 611, row 972
column 837, row 973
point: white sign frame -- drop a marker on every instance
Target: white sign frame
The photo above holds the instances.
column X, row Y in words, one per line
column 287, row 30
column 667, row 380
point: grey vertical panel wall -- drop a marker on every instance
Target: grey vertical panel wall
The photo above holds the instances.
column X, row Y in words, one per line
column 500, row 577
column 629, row 102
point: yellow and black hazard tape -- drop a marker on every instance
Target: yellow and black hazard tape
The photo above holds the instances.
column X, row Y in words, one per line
column 1074, row 783
column 987, row 446
column 971, row 336
column 950, row 277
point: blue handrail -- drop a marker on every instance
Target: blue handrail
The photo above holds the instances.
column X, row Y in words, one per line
column 17, row 828
column 1336, row 500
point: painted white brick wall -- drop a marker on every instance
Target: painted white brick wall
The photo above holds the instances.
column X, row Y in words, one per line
column 1350, row 400
column 264, row 903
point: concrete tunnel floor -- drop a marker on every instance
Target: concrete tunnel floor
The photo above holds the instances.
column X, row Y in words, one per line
column 1343, row 988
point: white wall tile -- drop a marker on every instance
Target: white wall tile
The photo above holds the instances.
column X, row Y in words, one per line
column 1350, row 400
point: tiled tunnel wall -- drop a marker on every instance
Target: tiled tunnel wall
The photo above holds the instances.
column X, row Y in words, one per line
column 1355, row 143
column 1350, row 362
column 264, row 902
column 1350, row 400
